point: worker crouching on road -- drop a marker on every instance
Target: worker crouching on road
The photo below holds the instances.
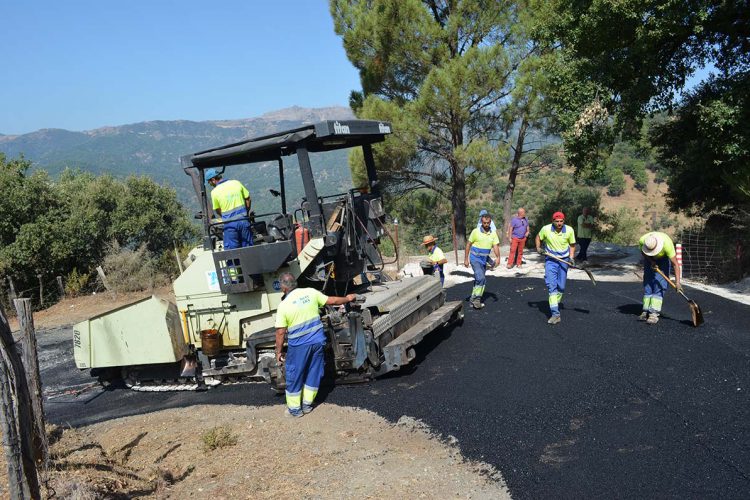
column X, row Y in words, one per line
column 231, row 202
column 559, row 241
column 658, row 249
column 481, row 241
column 435, row 256
column 298, row 318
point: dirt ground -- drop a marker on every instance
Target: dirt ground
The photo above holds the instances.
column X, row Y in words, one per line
column 333, row 452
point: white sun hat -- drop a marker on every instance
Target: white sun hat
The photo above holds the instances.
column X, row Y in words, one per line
column 653, row 244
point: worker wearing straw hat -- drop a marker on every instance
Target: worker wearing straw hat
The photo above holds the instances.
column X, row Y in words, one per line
column 657, row 249
column 435, row 255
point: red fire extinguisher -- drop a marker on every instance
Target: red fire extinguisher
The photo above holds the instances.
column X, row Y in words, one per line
column 301, row 236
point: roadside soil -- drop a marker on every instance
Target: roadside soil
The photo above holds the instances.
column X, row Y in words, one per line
column 333, row 452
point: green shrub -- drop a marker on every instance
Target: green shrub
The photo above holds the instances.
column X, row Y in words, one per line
column 621, row 227
column 616, row 182
column 218, row 437
column 75, row 283
column 640, row 177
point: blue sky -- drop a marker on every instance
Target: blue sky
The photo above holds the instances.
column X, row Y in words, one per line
column 84, row 64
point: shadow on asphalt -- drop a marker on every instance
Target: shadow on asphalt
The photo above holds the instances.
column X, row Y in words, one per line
column 542, row 305
column 630, row 309
column 636, row 309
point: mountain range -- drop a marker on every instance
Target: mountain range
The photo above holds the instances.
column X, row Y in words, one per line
column 153, row 149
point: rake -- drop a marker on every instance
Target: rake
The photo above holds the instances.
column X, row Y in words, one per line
column 588, row 273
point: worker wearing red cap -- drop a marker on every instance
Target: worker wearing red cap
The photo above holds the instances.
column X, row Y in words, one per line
column 559, row 241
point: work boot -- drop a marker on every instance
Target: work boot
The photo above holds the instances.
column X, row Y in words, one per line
column 553, row 320
column 653, row 318
column 296, row 413
column 306, row 408
column 643, row 316
column 476, row 304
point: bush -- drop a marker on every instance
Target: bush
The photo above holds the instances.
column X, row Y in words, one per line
column 218, row 437
column 75, row 283
column 616, row 182
column 640, row 178
column 620, row 228
column 131, row 270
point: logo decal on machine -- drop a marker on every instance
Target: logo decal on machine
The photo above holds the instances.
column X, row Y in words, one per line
column 277, row 285
column 340, row 129
column 213, row 281
column 384, row 129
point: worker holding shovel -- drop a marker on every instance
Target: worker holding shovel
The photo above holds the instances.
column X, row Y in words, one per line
column 658, row 250
column 559, row 250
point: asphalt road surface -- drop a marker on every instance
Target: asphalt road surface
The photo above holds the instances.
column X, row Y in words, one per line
column 601, row 405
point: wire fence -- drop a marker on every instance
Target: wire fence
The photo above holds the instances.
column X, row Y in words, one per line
column 712, row 256
column 48, row 291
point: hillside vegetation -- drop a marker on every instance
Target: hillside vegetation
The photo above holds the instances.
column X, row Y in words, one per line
column 154, row 148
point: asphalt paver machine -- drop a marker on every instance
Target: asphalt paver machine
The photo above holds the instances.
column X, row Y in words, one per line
column 221, row 328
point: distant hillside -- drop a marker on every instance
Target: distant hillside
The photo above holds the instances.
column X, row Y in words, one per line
column 153, row 149
column 649, row 206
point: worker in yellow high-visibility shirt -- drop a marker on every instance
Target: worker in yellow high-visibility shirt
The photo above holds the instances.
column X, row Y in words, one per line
column 298, row 318
column 559, row 241
column 482, row 241
column 231, row 201
column 658, row 250
column 435, row 256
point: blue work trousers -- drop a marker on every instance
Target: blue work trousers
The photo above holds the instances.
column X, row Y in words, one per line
column 479, row 267
column 555, row 275
column 237, row 234
column 654, row 285
column 439, row 270
column 304, row 371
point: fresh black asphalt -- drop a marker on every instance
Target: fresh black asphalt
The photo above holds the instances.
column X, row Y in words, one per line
column 601, row 405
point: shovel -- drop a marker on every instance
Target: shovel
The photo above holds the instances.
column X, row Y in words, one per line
column 695, row 310
column 590, row 275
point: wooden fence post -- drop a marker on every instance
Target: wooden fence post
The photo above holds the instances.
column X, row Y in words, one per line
column 103, row 277
column 177, row 256
column 33, row 381
column 12, row 293
column 60, row 286
column 41, row 290
column 453, row 233
column 16, row 418
column 17, row 486
column 395, row 233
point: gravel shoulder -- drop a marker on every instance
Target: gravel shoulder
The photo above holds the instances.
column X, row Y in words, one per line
column 334, row 452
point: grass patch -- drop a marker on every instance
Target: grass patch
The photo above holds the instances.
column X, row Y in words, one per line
column 218, row 437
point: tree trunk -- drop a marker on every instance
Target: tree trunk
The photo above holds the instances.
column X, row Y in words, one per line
column 514, row 166
column 458, row 203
